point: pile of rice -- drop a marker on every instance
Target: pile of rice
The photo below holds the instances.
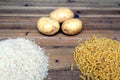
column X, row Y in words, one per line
column 98, row 59
column 22, row 59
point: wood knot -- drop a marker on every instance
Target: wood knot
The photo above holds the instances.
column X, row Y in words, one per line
column 56, row 60
column 115, row 38
column 71, row 0
column 119, row 4
column 26, row 33
column 26, row 5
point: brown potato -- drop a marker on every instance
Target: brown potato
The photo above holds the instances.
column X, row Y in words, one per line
column 72, row 26
column 61, row 14
column 48, row 26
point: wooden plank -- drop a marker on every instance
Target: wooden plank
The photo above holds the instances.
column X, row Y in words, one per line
column 63, row 74
column 53, row 7
column 60, row 3
column 41, row 15
column 53, row 41
column 39, row 11
column 57, row 61
column 86, row 26
column 85, row 20
column 93, row 23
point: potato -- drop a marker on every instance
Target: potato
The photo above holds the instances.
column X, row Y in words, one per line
column 72, row 26
column 48, row 26
column 61, row 14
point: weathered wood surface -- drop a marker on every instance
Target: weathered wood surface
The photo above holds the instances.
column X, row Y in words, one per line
column 18, row 18
column 105, row 3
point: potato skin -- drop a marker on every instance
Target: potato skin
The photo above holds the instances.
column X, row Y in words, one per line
column 48, row 26
column 61, row 14
column 72, row 26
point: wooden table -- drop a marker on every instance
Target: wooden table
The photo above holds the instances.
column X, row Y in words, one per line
column 18, row 18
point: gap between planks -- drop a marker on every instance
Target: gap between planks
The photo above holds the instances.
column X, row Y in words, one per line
column 40, row 15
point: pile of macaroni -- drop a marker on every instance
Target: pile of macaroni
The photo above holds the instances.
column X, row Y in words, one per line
column 98, row 59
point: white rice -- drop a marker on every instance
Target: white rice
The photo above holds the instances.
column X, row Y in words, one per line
column 22, row 59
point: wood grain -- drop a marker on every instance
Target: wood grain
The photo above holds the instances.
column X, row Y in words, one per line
column 89, row 23
column 60, row 3
column 59, row 48
column 18, row 19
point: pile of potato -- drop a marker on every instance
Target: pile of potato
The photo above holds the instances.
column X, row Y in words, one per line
column 64, row 16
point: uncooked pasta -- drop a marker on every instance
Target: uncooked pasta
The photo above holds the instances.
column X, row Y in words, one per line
column 98, row 59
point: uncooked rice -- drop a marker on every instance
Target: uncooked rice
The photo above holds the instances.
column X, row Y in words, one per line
column 22, row 59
